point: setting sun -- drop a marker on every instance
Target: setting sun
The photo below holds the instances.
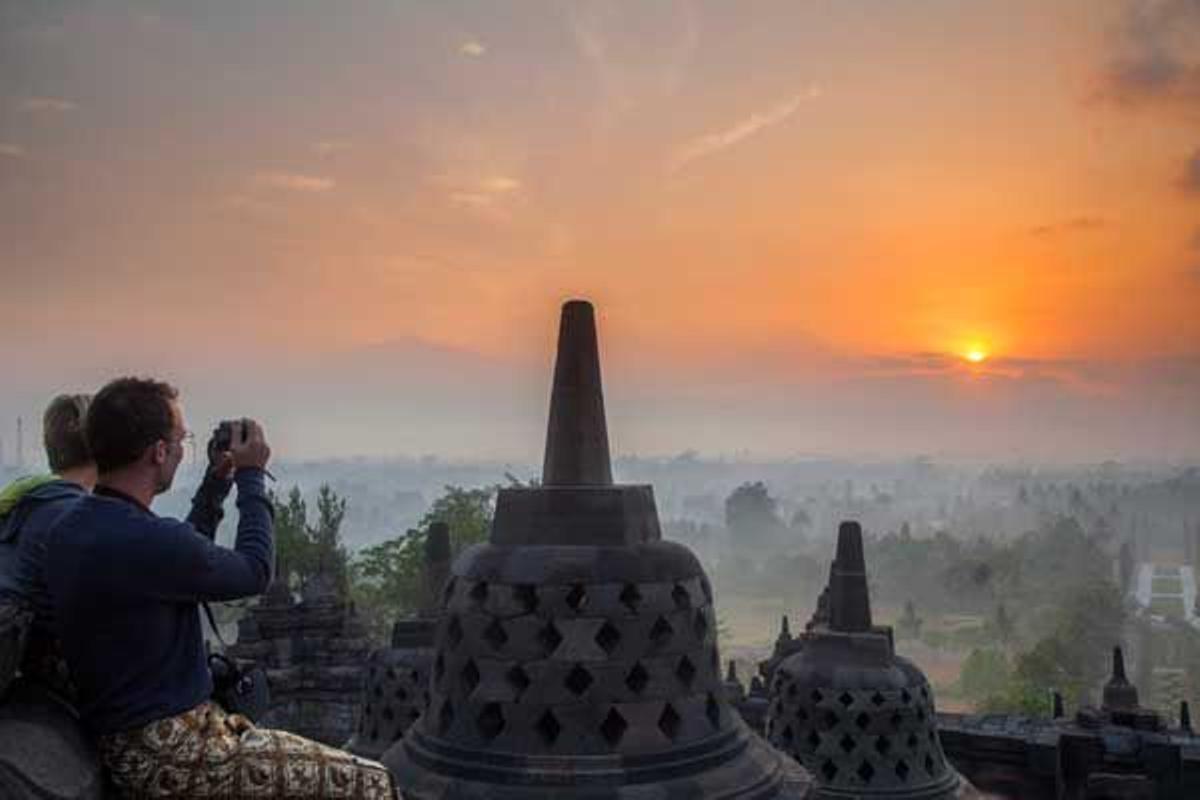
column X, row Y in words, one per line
column 976, row 355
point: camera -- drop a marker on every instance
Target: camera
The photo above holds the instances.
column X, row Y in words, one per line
column 222, row 438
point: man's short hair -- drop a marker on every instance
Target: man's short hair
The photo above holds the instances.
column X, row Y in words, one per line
column 127, row 416
column 63, row 433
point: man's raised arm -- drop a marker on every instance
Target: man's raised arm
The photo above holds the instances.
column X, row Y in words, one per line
column 182, row 561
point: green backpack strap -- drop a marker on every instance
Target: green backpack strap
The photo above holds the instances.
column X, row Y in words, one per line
column 13, row 493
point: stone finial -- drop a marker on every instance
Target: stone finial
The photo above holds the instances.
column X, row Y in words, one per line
column 1119, row 693
column 734, row 692
column 577, row 434
column 1118, row 666
column 1057, row 712
column 437, row 566
column 849, row 600
column 437, row 543
column 1185, row 716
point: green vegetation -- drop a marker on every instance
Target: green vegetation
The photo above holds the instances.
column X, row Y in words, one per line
column 1030, row 576
column 1071, row 659
column 388, row 576
column 986, row 673
column 752, row 515
column 306, row 548
column 1055, row 580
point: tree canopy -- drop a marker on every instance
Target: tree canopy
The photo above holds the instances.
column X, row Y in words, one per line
column 751, row 514
column 389, row 575
column 306, row 548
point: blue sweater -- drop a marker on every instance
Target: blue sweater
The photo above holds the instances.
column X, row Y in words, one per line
column 126, row 585
column 24, row 532
column 23, row 546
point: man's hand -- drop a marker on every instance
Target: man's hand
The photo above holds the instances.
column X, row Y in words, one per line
column 249, row 447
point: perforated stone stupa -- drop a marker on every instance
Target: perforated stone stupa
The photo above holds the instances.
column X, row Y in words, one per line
column 397, row 684
column 859, row 717
column 577, row 653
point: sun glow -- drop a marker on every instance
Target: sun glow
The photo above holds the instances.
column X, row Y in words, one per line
column 976, row 355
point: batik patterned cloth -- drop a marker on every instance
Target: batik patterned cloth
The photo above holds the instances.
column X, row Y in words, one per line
column 207, row 753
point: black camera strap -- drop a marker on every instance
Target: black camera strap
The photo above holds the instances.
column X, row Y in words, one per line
column 212, row 623
column 239, row 690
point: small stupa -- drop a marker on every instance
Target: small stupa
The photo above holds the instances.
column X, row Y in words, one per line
column 859, row 717
column 396, row 690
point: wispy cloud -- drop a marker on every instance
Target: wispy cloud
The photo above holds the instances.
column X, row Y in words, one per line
column 294, row 181
column 9, row 150
column 472, row 48
column 720, row 140
column 328, row 147
column 1084, row 224
column 500, row 184
column 53, row 105
column 626, row 71
column 1076, row 373
column 478, row 193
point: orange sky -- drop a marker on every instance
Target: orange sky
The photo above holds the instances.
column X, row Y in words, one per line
column 804, row 190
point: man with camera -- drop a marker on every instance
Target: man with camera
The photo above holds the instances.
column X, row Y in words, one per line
column 126, row 587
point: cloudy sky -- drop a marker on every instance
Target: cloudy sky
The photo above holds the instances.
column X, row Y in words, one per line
column 797, row 218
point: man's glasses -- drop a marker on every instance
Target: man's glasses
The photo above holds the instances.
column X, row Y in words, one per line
column 188, row 439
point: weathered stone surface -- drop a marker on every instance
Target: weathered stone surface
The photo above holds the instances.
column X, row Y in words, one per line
column 314, row 653
column 1043, row 759
column 396, row 694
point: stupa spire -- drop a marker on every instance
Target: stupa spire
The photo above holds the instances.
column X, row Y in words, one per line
column 849, row 600
column 577, row 434
column 437, row 567
column 1118, row 666
column 1119, row 693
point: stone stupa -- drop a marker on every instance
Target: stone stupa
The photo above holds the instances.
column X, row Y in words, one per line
column 577, row 652
column 396, row 690
column 859, row 717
